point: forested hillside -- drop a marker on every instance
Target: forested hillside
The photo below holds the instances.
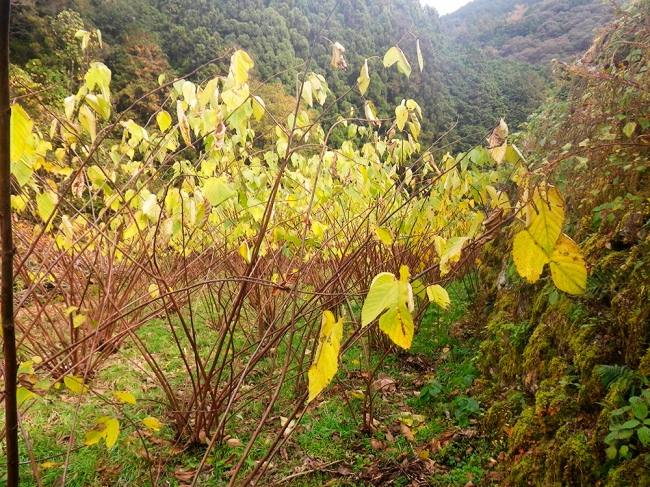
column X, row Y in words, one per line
column 459, row 85
column 535, row 31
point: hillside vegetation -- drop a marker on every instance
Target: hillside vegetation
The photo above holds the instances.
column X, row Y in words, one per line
column 535, row 31
column 460, row 86
column 248, row 254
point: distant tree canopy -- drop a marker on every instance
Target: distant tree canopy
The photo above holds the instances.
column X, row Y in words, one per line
column 144, row 38
column 534, row 31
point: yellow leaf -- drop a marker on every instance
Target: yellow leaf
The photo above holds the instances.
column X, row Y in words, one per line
column 364, row 78
column 183, row 124
column 546, row 217
column 384, row 235
column 20, row 128
column 93, row 437
column 240, row 64
column 78, row 320
column 325, row 363
column 245, row 252
column 124, row 397
column 45, row 204
column 152, row 424
column 395, row 55
column 529, row 257
column 401, row 116
column 419, row 53
column 111, row 431
column 164, row 120
column 258, row 108
column 452, row 252
column 397, row 323
column 438, row 294
column 75, row 384
column 319, row 229
column 154, row 291
column 568, row 267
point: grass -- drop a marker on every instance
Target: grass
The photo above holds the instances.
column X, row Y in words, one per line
column 433, row 392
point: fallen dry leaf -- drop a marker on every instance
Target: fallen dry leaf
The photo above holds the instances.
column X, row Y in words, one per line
column 183, row 475
column 233, row 442
column 406, row 431
column 378, row 444
column 494, row 477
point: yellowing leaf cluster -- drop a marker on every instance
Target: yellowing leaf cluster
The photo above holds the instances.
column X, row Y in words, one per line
column 542, row 242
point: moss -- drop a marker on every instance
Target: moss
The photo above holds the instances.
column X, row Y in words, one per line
column 501, row 415
column 644, row 365
column 525, row 471
column 525, row 432
column 570, row 461
column 633, row 472
column 554, row 407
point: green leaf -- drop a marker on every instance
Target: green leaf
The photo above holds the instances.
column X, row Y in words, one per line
column 20, row 128
column 568, row 267
column 419, row 52
column 639, row 408
column 325, row 364
column 240, row 64
column 395, row 55
column 124, row 397
column 364, row 78
column 529, row 257
column 23, row 394
column 644, row 435
column 401, row 116
column 75, row 384
column 152, row 424
column 631, row 424
column 216, row 191
column 438, row 294
column 629, row 129
column 611, row 452
column 45, row 203
column 164, row 120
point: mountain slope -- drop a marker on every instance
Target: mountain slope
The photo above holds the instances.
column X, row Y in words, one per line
column 535, row 31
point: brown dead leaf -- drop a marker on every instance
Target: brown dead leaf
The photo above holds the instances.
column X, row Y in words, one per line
column 233, row 442
column 447, row 434
column 183, row 475
column 385, row 384
column 378, row 444
column 469, row 432
column 494, row 477
column 406, row 431
column 389, row 437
